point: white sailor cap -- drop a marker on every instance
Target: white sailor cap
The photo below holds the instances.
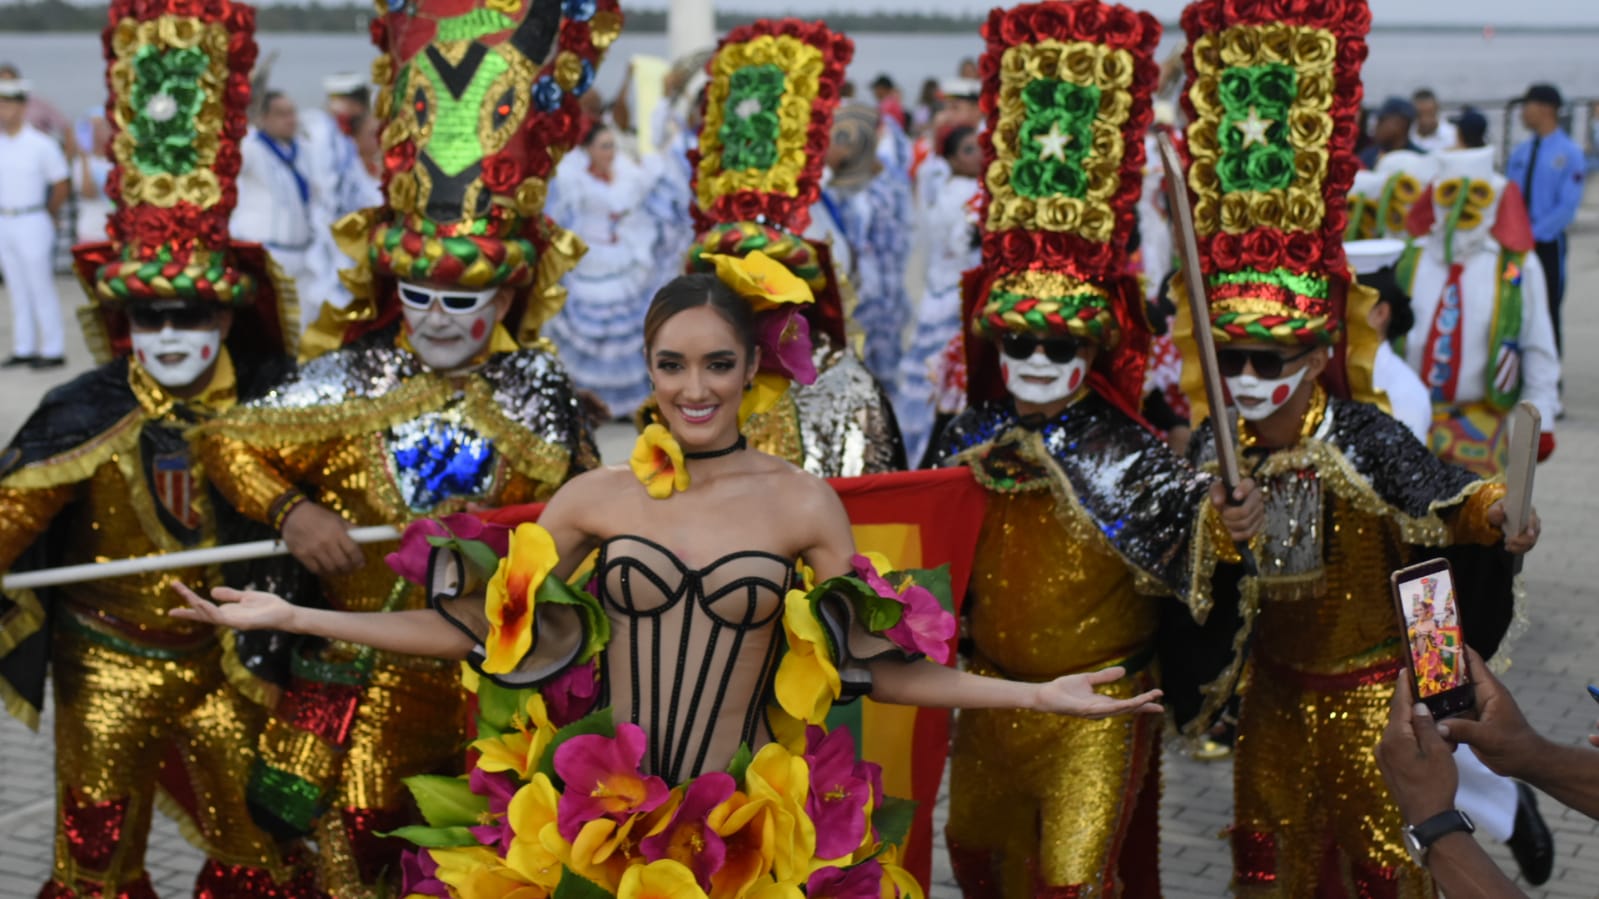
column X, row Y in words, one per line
column 341, row 83
column 966, row 88
column 15, row 88
column 1371, row 256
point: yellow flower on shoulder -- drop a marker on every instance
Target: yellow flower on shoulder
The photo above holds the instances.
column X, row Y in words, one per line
column 775, row 890
column 532, row 817
column 783, row 779
column 764, row 393
column 663, row 879
column 807, row 680
column 762, row 280
column 509, row 606
column 521, row 748
column 657, row 462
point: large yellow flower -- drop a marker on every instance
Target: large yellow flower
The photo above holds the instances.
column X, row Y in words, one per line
column 664, row 879
column 745, row 826
column 783, row 779
column 807, row 680
column 604, row 850
column 521, row 748
column 473, row 872
column 509, row 608
column 760, row 279
column 532, row 816
column 658, row 462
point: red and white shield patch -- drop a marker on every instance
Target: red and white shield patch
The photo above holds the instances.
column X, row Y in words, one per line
column 175, row 488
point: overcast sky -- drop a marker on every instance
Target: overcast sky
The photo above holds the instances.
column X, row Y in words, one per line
column 1458, row 12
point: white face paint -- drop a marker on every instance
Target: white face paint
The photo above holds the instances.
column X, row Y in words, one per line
column 446, row 340
column 1039, row 381
column 1257, row 398
column 176, row 358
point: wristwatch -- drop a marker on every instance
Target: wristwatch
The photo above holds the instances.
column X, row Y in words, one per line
column 1420, row 837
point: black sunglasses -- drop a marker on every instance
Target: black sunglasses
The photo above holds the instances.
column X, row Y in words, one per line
column 1266, row 363
column 185, row 317
column 1056, row 349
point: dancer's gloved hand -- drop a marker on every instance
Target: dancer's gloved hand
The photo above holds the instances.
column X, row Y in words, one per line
column 242, row 610
column 1074, row 695
column 320, row 539
column 1244, row 519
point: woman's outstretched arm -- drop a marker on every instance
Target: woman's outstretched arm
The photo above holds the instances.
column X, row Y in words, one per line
column 418, row 632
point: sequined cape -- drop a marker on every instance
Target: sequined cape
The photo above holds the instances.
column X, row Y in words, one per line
column 78, row 428
column 1150, row 506
column 1373, row 462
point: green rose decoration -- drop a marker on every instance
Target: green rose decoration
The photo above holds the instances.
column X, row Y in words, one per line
column 1276, row 86
column 750, row 123
column 1055, row 136
column 1248, row 95
column 166, row 99
column 1272, row 166
column 1237, row 89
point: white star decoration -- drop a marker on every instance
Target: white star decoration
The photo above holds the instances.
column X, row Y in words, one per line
column 1053, row 144
column 161, row 107
column 1254, row 128
column 747, row 107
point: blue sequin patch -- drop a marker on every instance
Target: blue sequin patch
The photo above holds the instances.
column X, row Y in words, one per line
column 436, row 460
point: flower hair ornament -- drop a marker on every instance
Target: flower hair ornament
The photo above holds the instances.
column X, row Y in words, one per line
column 778, row 298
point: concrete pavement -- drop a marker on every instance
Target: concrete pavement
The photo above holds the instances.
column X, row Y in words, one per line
column 1552, row 660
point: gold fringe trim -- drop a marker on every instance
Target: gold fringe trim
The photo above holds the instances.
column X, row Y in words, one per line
column 21, row 622
column 263, row 693
column 20, row 708
column 79, row 463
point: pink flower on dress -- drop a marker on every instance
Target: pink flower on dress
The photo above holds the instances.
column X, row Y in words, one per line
column 410, row 561
column 571, row 694
column 841, row 794
column 499, row 788
column 784, row 336
column 924, row 626
column 418, row 875
column 862, row 881
column 603, row 780
column 688, row 836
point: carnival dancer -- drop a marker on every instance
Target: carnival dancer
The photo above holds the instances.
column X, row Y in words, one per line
column 1043, row 806
column 872, row 205
column 953, row 233
column 277, row 197
column 717, row 653
column 186, row 323
column 599, row 330
column 1381, row 199
column 815, row 403
column 33, row 185
column 1350, row 495
column 430, row 405
column 1409, row 401
column 1483, row 338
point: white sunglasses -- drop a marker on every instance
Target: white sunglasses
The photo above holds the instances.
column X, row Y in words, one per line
column 458, row 302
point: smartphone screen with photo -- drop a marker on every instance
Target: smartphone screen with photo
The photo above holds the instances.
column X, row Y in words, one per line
column 1434, row 641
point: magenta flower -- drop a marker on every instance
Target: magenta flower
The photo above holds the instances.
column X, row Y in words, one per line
column 410, row 561
column 784, row 336
column 496, row 832
column 862, row 881
column 417, row 875
column 603, row 780
column 924, row 626
column 571, row 694
column 688, row 837
column 841, row 789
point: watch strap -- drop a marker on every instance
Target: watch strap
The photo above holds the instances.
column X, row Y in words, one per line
column 1439, row 826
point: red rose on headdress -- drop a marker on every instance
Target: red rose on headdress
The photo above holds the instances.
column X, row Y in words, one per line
column 1014, row 29
column 1053, row 20
column 501, row 174
column 241, row 18
column 227, row 162
column 1356, row 18
column 991, row 27
column 746, row 206
column 378, row 29
column 576, row 37
column 1301, row 250
column 238, row 90
column 1225, row 252
column 1261, row 249
column 1351, row 53
column 400, row 157
column 1123, row 28
column 1090, row 18
column 1016, row 248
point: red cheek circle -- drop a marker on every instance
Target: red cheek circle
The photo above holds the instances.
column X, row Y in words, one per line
column 205, row 354
column 479, row 328
column 1280, row 395
column 1004, row 371
column 1077, row 378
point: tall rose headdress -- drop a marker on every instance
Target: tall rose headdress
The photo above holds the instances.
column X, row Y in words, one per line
column 179, row 87
column 480, row 101
column 1066, row 88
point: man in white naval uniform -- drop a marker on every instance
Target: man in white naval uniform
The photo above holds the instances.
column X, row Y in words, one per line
column 340, row 183
column 33, row 185
column 1483, row 337
column 277, row 196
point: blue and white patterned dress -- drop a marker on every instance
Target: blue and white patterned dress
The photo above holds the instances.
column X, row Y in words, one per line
column 877, row 223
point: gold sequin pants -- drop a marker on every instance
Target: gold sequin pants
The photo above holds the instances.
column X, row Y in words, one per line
column 412, row 719
column 125, row 714
column 1311, row 807
column 1050, row 805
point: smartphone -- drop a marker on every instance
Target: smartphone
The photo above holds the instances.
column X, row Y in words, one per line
column 1429, row 626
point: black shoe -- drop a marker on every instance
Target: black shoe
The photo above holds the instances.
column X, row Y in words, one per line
column 1531, row 843
column 45, row 362
column 18, row 361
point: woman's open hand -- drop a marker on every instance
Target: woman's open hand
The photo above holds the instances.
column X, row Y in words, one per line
column 244, row 610
column 1074, row 695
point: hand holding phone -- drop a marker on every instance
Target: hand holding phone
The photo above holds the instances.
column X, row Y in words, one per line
column 1435, row 644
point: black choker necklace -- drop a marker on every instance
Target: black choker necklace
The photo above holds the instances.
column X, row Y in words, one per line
column 725, row 451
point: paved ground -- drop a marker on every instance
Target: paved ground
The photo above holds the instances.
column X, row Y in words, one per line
column 1553, row 660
